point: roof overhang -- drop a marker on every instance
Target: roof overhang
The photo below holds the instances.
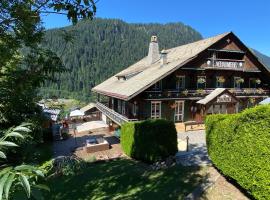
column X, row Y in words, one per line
column 219, row 95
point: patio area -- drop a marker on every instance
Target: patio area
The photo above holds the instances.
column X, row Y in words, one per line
column 76, row 143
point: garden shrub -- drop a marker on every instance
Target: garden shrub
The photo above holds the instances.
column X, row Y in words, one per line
column 239, row 145
column 149, row 140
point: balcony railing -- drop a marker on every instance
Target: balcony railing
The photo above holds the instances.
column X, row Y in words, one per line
column 114, row 116
column 198, row 93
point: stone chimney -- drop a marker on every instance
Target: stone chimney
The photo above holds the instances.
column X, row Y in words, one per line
column 164, row 57
column 153, row 53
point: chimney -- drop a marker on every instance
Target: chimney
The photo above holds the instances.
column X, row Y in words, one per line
column 153, row 53
column 164, row 57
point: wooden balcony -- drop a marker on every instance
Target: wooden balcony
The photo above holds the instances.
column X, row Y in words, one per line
column 199, row 93
column 114, row 116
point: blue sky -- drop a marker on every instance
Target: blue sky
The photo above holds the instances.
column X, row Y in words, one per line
column 248, row 19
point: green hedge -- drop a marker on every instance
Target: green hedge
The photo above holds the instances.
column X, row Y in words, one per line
column 239, row 145
column 149, row 140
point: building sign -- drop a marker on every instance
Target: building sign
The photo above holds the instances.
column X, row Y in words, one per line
column 229, row 64
column 225, row 98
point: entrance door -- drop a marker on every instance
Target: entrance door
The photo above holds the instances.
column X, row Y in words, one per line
column 179, row 111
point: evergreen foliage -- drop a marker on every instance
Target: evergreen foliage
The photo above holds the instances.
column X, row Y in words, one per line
column 149, row 140
column 100, row 48
column 239, row 146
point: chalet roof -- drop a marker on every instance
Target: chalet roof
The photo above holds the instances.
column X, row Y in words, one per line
column 141, row 75
column 215, row 93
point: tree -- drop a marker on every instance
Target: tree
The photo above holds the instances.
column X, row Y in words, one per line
column 21, row 32
column 24, row 66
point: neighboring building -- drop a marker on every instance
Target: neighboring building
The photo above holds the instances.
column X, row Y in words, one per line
column 89, row 109
column 215, row 75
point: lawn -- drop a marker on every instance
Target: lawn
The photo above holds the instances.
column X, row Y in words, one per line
column 125, row 179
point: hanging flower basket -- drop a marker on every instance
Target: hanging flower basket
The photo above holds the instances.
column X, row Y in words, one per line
column 258, row 81
column 260, row 91
column 200, row 91
column 185, row 92
column 221, row 79
column 240, row 80
column 201, row 80
column 173, row 105
column 252, row 100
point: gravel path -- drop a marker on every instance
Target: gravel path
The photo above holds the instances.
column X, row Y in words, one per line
column 197, row 154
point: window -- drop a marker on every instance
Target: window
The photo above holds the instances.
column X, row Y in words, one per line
column 119, row 106
column 135, row 109
column 123, row 107
column 201, row 82
column 220, row 81
column 155, row 109
column 179, row 111
column 252, row 83
column 237, row 82
column 157, row 85
column 180, row 82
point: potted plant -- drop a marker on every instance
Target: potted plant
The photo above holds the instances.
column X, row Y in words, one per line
column 200, row 91
column 258, row 81
column 260, row 91
column 185, row 92
column 201, row 80
column 240, row 80
column 221, row 79
column 173, row 105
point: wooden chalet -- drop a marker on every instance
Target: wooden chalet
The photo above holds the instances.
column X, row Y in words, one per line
column 214, row 75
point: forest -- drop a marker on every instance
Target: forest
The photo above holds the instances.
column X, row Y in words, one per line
column 92, row 51
column 98, row 49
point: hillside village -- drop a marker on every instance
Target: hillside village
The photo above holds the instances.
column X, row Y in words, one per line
column 105, row 109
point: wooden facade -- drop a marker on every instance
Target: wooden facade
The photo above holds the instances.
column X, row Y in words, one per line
column 226, row 64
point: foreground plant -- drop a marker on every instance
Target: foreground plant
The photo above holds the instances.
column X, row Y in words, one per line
column 14, row 177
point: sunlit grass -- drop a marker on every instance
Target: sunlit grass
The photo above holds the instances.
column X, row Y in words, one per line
column 125, row 179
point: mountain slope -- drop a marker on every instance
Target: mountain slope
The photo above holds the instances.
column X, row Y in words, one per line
column 103, row 47
column 263, row 58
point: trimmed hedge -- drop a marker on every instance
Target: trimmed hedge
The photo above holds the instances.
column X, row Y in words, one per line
column 239, row 145
column 149, row 140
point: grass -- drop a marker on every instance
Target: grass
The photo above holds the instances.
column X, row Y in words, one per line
column 39, row 153
column 125, row 179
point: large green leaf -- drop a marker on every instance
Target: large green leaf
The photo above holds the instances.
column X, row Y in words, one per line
column 22, row 129
column 5, row 170
column 2, row 183
column 8, row 184
column 25, row 184
column 14, row 134
column 8, row 144
column 2, row 155
column 24, row 167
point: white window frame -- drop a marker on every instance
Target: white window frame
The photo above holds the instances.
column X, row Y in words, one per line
column 182, row 80
column 235, row 85
column 201, row 83
column 219, row 84
column 179, row 117
column 154, row 113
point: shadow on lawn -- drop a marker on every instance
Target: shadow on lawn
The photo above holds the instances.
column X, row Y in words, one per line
column 125, row 179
